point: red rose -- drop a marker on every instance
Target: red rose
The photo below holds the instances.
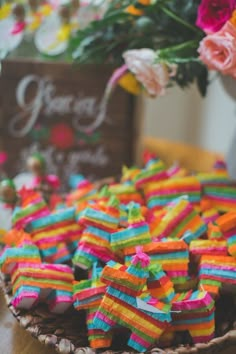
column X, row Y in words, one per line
column 213, row 14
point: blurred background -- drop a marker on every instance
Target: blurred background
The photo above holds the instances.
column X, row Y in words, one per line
column 183, row 115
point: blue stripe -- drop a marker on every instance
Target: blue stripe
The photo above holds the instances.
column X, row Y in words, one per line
column 222, row 273
column 59, row 216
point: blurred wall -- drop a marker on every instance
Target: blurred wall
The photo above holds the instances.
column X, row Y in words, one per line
column 186, row 116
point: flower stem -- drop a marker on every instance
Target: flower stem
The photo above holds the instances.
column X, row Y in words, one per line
column 189, row 44
column 180, row 53
column 178, row 19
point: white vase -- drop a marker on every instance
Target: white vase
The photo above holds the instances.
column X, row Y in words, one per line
column 229, row 84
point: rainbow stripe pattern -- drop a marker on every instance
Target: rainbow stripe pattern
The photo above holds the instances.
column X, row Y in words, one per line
column 211, row 247
column 227, row 225
column 88, row 294
column 159, row 195
column 51, row 283
column 210, row 215
column 137, row 232
column 126, row 193
column 26, row 252
column 159, row 284
column 94, row 245
column 192, row 311
column 105, row 217
column 154, row 171
column 120, row 305
column 129, row 173
column 173, row 256
column 218, row 190
column 32, row 207
column 56, row 235
column 180, row 217
column 215, row 272
column 214, row 232
column 82, row 190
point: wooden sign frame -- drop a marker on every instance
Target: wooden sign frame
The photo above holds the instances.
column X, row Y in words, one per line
column 57, row 109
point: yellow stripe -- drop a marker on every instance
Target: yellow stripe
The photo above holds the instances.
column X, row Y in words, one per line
column 44, row 234
column 121, row 311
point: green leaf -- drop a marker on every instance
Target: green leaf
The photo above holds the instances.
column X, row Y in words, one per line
column 166, row 26
column 202, row 81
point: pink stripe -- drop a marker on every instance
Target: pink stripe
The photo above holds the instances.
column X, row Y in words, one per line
column 192, row 304
column 85, row 293
column 136, row 224
column 209, row 219
column 105, row 319
column 154, row 178
column 230, row 233
column 220, row 199
column 20, row 223
column 219, row 251
column 57, row 267
column 140, row 340
column 176, row 221
column 53, row 239
column 170, row 191
column 216, row 266
column 173, row 170
column 99, row 252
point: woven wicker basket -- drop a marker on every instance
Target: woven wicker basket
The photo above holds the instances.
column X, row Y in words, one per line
column 68, row 334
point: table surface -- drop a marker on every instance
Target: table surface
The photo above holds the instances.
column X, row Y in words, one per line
column 13, row 338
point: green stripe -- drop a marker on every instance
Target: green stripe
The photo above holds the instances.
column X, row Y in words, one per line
column 172, row 195
column 85, row 284
column 41, row 280
column 140, row 240
column 121, row 322
column 27, row 211
column 124, row 282
column 186, row 220
column 210, row 282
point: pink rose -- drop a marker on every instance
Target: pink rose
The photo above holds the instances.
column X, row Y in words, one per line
column 218, row 50
column 154, row 77
column 213, row 14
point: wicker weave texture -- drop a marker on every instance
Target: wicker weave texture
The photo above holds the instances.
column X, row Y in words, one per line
column 68, row 334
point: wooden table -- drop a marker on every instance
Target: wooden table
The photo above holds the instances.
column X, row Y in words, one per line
column 193, row 158
column 13, row 338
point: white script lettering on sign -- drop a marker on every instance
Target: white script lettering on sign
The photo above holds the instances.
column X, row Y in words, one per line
column 87, row 114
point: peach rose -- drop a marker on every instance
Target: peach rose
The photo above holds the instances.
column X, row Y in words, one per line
column 218, row 50
column 153, row 76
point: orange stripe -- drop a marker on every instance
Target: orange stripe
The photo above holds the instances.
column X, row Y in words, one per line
column 196, row 327
column 227, row 221
column 41, row 285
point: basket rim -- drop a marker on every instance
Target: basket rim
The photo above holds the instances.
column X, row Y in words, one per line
column 64, row 345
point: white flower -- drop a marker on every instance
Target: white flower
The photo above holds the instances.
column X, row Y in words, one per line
column 153, row 76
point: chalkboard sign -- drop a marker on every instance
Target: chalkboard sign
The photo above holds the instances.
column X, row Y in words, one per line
column 58, row 110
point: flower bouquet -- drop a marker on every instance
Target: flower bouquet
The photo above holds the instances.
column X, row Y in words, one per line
column 159, row 43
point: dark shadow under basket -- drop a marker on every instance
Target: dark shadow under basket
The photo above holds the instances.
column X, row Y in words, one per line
column 67, row 333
